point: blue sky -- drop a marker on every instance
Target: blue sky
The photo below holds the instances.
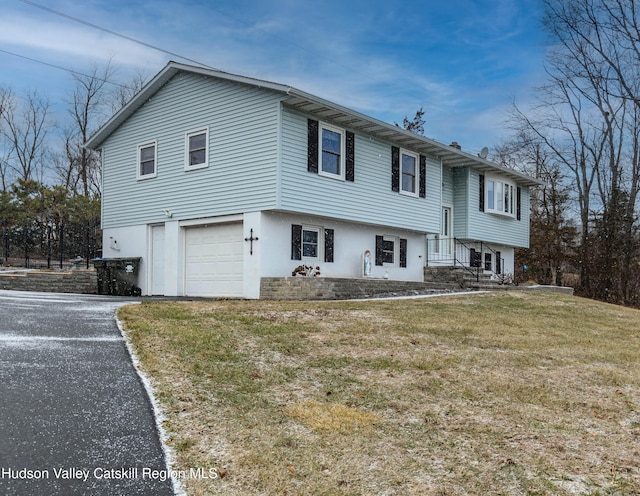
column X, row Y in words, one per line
column 462, row 60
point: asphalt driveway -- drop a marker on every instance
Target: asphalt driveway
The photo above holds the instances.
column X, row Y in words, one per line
column 74, row 415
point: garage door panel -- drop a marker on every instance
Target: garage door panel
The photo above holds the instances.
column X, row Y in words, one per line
column 214, row 260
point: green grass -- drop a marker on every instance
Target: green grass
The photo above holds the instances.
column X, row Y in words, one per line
column 497, row 393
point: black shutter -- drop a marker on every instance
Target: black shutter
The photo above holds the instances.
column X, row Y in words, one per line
column 296, row 242
column 481, row 192
column 498, row 263
column 518, row 203
column 403, row 252
column 312, row 146
column 350, row 162
column 379, row 256
column 328, row 245
column 395, row 168
column 475, row 258
column 423, row 176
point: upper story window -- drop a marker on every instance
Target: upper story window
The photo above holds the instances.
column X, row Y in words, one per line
column 330, row 151
column 500, row 196
column 197, row 146
column 331, row 158
column 409, row 173
column 147, row 159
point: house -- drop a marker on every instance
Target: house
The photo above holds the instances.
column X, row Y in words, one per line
column 218, row 181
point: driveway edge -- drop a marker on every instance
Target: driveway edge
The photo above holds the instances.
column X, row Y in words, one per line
column 158, row 415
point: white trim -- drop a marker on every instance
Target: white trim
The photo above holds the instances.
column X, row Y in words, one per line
column 148, row 144
column 342, row 162
column 416, row 184
column 187, row 151
column 211, row 220
column 446, row 243
column 101, row 152
column 500, row 200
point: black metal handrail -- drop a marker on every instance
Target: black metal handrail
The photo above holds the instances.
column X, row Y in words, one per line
column 463, row 255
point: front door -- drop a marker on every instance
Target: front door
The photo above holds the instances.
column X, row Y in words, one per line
column 157, row 260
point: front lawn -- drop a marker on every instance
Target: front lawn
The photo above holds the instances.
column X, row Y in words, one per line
column 490, row 394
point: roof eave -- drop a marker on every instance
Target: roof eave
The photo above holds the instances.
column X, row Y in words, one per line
column 449, row 155
column 152, row 87
column 96, row 140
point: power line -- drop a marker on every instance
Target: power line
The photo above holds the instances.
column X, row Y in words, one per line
column 154, row 47
column 78, row 73
column 114, row 33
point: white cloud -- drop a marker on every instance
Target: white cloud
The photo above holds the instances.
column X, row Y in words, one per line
column 73, row 44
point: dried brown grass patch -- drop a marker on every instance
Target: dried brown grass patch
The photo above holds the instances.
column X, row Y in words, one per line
column 331, row 416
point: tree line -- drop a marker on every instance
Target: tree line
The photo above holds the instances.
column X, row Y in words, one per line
column 49, row 183
column 582, row 138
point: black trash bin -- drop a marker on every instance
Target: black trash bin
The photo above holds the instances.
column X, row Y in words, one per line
column 102, row 272
column 118, row 276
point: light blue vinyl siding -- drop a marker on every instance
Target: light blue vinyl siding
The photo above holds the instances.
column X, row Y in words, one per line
column 369, row 199
column 447, row 186
column 243, row 153
column 460, row 179
column 484, row 226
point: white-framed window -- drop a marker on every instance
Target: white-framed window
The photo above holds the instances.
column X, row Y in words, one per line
column 391, row 251
column 147, row 160
column 311, row 242
column 500, row 196
column 388, row 253
column 409, row 173
column 331, row 148
column 197, row 149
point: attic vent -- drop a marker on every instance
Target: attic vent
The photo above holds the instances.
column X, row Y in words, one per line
column 455, row 144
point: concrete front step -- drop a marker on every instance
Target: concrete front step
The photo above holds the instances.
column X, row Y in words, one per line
column 463, row 277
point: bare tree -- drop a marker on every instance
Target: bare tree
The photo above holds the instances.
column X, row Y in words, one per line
column 88, row 109
column 26, row 125
column 5, row 96
column 123, row 93
column 95, row 98
column 415, row 125
column 587, row 118
column 553, row 233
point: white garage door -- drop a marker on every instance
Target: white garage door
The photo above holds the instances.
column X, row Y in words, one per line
column 214, row 260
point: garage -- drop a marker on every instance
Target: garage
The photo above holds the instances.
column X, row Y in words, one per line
column 213, row 260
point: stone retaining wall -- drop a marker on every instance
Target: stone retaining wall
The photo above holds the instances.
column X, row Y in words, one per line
column 74, row 281
column 453, row 274
column 271, row 288
column 325, row 288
